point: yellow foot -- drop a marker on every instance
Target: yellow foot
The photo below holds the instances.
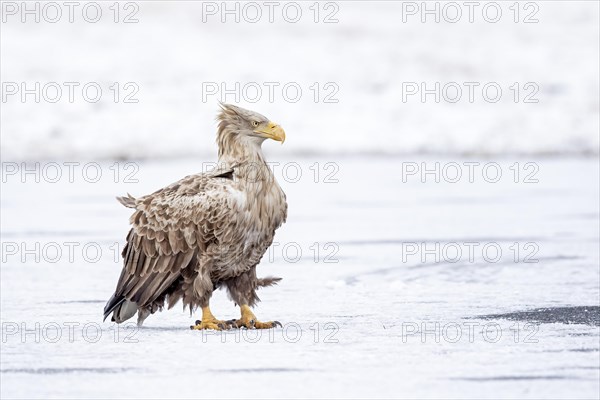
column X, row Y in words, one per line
column 210, row 322
column 248, row 320
column 215, row 324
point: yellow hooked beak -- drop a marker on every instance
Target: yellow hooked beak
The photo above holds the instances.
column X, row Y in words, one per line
column 271, row 130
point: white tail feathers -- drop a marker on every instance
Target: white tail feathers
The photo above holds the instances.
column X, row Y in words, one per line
column 124, row 311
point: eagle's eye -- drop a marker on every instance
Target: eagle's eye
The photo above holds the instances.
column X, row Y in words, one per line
column 254, row 124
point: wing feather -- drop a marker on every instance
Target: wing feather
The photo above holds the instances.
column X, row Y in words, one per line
column 170, row 229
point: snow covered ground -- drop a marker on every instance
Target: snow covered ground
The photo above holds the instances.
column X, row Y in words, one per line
column 370, row 307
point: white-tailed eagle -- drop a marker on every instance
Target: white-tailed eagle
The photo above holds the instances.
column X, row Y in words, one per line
column 206, row 231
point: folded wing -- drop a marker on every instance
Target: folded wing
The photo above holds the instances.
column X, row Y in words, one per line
column 171, row 228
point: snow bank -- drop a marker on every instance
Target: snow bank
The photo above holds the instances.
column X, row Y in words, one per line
column 179, row 54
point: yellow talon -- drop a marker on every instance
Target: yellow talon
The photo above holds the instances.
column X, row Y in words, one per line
column 249, row 320
column 209, row 322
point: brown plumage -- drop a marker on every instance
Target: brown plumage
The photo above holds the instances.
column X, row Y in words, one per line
column 205, row 231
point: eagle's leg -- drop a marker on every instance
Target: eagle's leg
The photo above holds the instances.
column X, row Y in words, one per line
column 242, row 290
column 210, row 322
column 249, row 320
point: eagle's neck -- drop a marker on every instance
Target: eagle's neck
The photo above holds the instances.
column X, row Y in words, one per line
column 244, row 152
column 239, row 150
column 264, row 196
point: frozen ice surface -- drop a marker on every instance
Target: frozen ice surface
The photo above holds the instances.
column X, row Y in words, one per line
column 377, row 323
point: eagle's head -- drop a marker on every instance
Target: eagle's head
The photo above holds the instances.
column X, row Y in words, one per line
column 241, row 127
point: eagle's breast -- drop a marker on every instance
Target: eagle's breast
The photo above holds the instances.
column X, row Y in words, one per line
column 261, row 208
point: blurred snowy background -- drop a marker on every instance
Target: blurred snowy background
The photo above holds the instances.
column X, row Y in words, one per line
column 373, row 322
column 370, row 55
